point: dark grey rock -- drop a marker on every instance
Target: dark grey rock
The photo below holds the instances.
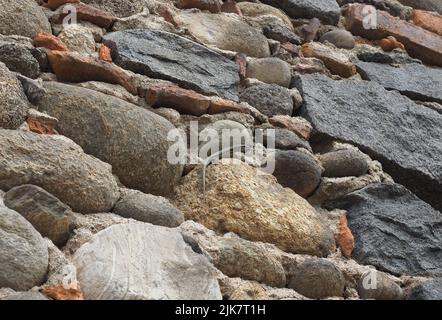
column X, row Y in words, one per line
column 269, row 99
column 285, row 140
column 19, row 58
column 49, row 216
column 22, row 17
column 59, row 166
column 281, row 33
column 298, row 171
column 414, row 80
column 431, row 290
column 429, row 5
column 394, row 230
column 24, row 253
column 13, row 103
column 170, row 57
column 344, row 163
column 369, row 54
column 386, row 125
column 33, row 89
column 27, row 296
column 339, row 38
column 317, row 279
column 327, row 11
column 148, row 208
column 377, row 285
column 132, row 139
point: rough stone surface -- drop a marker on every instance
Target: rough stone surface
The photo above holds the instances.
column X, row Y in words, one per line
column 344, row 163
column 119, row 8
column 340, row 38
column 270, row 99
column 24, row 253
column 20, row 57
column 429, row 5
column 139, row 261
column 297, row 170
column 257, row 10
column 25, row 296
column 148, row 208
column 431, row 290
column 270, row 70
column 365, row 114
column 327, row 11
column 22, row 17
column 317, row 279
column 385, row 219
column 170, row 57
column 414, row 80
column 59, row 166
column 14, row 104
column 78, row 38
column 384, row 288
column 46, row 213
column 225, row 31
column 106, row 127
column 254, row 207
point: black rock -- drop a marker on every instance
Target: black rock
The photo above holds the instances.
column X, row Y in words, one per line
column 403, row 136
column 431, row 290
column 394, row 230
column 281, row 33
column 285, row 140
column 327, row 11
column 270, row 99
column 170, row 57
column 414, row 80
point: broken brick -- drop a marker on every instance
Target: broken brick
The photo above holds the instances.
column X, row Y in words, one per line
column 428, row 20
column 61, row 293
column 49, row 41
column 390, row 43
column 54, row 4
column 91, row 14
column 104, row 53
column 214, row 6
column 297, row 125
column 344, row 237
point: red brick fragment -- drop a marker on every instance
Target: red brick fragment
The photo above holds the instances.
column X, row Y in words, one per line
column 104, row 53
column 49, row 41
column 93, row 15
column 344, row 237
column 428, row 20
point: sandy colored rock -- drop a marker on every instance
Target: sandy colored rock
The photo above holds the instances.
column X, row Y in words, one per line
column 254, row 207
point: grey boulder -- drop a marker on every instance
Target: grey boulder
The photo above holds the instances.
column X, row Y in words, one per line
column 140, row 261
column 394, row 230
column 148, row 208
column 389, row 127
column 379, row 286
column 431, row 290
column 24, row 253
column 131, row 139
column 49, row 216
column 340, row 38
column 59, row 166
column 170, row 57
column 344, row 163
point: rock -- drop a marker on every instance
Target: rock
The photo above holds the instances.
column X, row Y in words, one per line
column 253, row 206
column 310, row 30
column 270, row 70
column 89, row 118
column 119, row 8
column 182, row 100
column 281, row 33
column 414, row 80
column 428, row 20
column 20, row 57
column 418, row 42
column 24, row 258
column 249, row 291
column 286, row 140
column 214, row 6
column 110, row 89
column 29, row 295
column 408, row 153
column 78, row 39
column 390, row 43
column 14, row 105
column 429, row 5
column 22, row 17
column 336, row 61
column 393, row 7
column 139, row 261
column 379, row 286
column 59, row 166
column 339, row 38
column 49, row 41
column 297, row 125
column 344, row 163
column 225, row 31
column 344, row 237
column 236, row 257
column 71, row 67
column 87, row 13
column 54, row 4
column 61, row 293
column 297, row 170
column 385, row 218
column 270, row 99
column 431, row 290
column 257, row 10
column 170, row 57
column 143, row 20
column 327, row 11
column 317, row 279
column 104, row 54
column 47, row 214
column 148, row 208
column 219, row 105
